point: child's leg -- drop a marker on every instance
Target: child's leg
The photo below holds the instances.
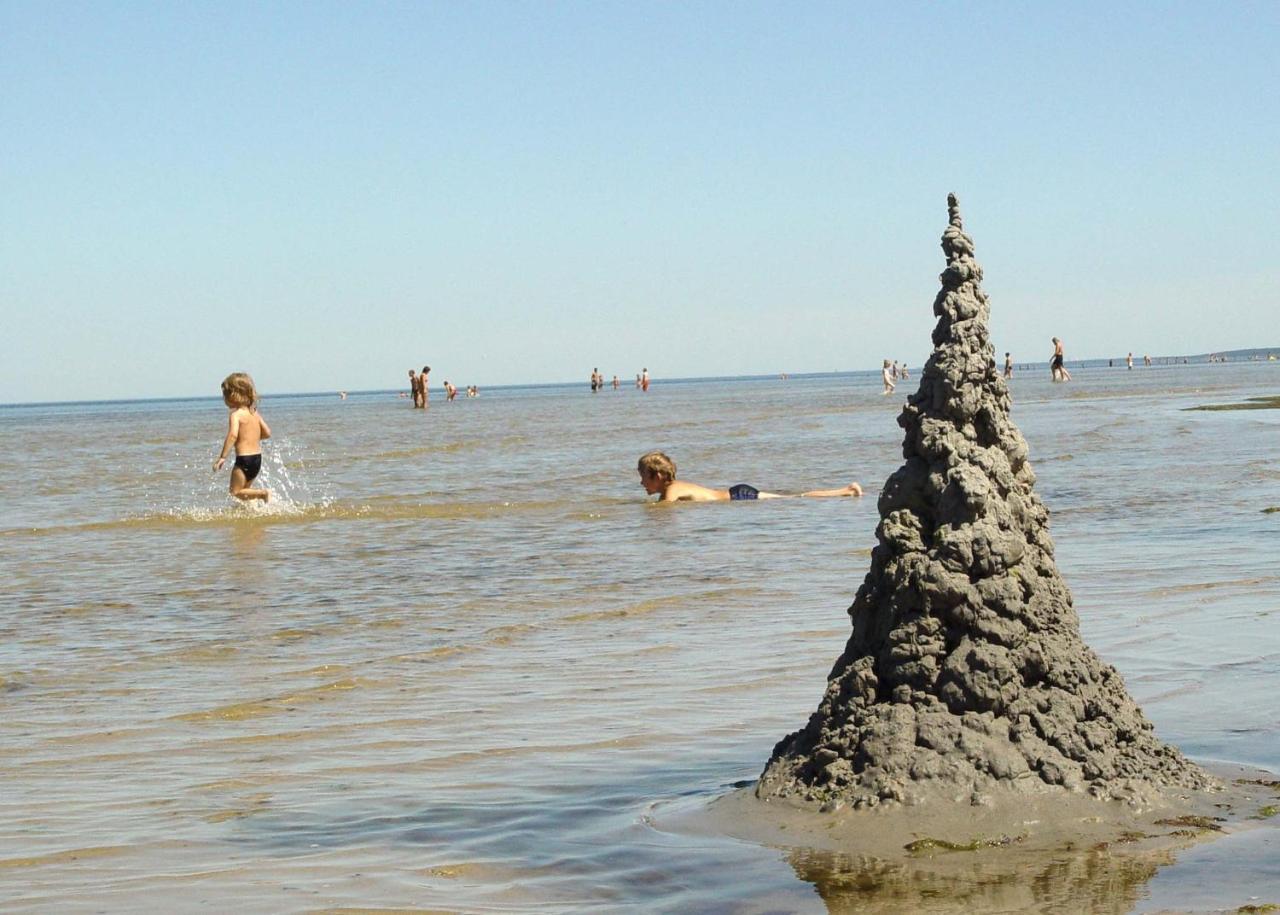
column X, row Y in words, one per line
column 853, row 489
column 240, row 488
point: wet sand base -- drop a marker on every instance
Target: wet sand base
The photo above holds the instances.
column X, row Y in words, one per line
column 1020, row 852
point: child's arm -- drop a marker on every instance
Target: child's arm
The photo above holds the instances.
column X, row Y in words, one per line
column 266, row 430
column 233, row 431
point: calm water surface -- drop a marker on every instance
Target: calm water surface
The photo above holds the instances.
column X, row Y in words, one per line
column 461, row 664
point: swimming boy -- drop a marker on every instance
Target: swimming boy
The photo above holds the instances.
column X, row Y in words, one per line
column 245, row 431
column 658, row 477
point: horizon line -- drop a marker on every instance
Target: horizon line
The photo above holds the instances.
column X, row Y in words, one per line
column 691, row 379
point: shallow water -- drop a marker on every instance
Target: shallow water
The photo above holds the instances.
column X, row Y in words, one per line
column 461, row 664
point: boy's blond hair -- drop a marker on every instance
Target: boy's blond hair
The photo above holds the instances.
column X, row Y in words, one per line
column 238, row 390
column 657, row 464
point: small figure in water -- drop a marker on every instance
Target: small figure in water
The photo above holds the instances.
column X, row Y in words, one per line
column 644, row 380
column 615, row 382
column 1058, row 367
column 414, row 389
column 1008, row 366
column 245, row 431
column 1128, row 360
column 450, row 390
column 423, row 388
column 658, row 477
column 886, row 374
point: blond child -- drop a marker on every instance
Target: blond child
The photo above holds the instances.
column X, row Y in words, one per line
column 245, row 431
column 658, row 477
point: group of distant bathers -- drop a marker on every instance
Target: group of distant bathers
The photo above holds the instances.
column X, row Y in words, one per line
column 420, row 391
column 598, row 382
column 418, row 388
column 891, row 373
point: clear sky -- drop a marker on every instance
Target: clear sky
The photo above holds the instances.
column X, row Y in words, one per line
column 327, row 194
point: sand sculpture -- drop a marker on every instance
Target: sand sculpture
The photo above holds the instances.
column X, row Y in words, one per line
column 965, row 674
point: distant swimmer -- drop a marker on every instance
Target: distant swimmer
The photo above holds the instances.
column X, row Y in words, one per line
column 1058, row 365
column 658, row 477
column 450, row 391
column 644, row 380
column 596, row 380
column 886, row 375
column 245, row 431
column 1146, row 360
column 342, row 395
column 1008, row 366
column 903, row 370
column 424, row 388
column 1128, row 361
column 615, row 382
column 414, row 390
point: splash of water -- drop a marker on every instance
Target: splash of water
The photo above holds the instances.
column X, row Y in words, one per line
column 295, row 488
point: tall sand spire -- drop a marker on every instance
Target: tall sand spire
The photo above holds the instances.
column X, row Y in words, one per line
column 965, row 673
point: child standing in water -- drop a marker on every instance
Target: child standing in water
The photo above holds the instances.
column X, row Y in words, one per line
column 245, row 431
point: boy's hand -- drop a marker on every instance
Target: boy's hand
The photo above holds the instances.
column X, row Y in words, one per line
column 217, row 465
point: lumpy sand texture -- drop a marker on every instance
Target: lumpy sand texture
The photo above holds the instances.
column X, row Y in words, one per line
column 966, row 674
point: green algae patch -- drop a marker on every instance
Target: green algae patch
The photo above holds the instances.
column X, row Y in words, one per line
column 926, row 845
column 1271, row 510
column 1193, row 822
column 1266, row 812
column 1254, row 909
column 1250, row 403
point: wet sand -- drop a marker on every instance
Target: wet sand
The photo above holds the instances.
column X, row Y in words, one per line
column 947, row 856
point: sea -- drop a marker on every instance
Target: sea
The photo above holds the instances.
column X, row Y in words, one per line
column 460, row 663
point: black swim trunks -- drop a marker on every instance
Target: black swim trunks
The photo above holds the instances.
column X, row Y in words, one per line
column 250, row 465
column 1057, row 362
column 743, row 492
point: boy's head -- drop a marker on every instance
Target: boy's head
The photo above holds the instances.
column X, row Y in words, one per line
column 657, row 471
column 426, row 369
column 238, row 390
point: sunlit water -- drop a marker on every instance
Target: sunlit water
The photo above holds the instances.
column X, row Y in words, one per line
column 460, row 663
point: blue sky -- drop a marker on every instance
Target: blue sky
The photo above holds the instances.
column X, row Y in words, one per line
column 328, row 194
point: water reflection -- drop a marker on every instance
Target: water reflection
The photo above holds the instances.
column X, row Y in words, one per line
column 999, row 880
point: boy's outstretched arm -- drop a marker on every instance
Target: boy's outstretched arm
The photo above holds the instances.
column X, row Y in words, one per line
column 233, row 430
